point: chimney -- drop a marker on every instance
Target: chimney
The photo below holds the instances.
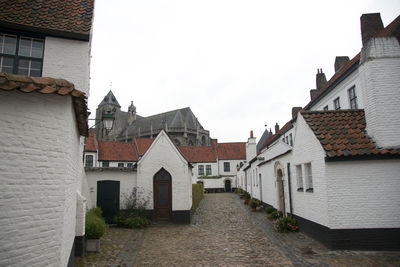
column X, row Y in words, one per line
column 295, row 110
column 340, row 62
column 251, row 147
column 320, row 79
column 313, row 93
column 371, row 25
column 276, row 128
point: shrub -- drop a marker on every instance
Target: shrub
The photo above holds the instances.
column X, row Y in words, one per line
column 286, row 225
column 254, row 203
column 238, row 191
column 276, row 214
column 131, row 219
column 246, row 195
column 95, row 226
column 197, row 195
column 269, row 209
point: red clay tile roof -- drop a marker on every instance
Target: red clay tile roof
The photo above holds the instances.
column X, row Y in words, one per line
column 26, row 84
column 91, row 143
column 342, row 133
column 142, row 144
column 198, row 153
column 273, row 137
column 116, row 151
column 231, row 150
column 393, row 29
column 72, row 18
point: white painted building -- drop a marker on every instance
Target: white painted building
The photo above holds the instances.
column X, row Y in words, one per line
column 41, row 154
column 335, row 165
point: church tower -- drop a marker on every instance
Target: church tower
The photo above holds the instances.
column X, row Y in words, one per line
column 109, row 104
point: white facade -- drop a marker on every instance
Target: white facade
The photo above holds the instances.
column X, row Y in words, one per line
column 40, row 177
column 164, row 154
column 67, row 59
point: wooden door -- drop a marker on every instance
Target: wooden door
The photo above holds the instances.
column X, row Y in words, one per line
column 108, row 198
column 228, row 187
column 162, row 196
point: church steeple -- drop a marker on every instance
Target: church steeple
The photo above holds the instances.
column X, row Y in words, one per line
column 110, row 99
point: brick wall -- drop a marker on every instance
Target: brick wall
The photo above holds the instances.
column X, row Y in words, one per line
column 40, row 172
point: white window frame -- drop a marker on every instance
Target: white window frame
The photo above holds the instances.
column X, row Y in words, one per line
column 86, row 160
column 299, row 178
column 352, row 97
column 308, row 178
column 227, row 166
column 336, row 103
column 200, row 170
column 208, row 170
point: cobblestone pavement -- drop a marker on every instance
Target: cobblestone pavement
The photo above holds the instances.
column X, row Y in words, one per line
column 221, row 234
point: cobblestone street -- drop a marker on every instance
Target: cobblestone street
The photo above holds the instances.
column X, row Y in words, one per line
column 221, row 234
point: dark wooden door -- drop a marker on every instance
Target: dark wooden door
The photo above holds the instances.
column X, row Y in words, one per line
column 162, row 196
column 228, row 187
column 108, row 198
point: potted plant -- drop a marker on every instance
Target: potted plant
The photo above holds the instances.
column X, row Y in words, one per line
column 246, row 198
column 254, row 203
column 95, row 227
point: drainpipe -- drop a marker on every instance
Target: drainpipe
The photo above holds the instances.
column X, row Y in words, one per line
column 290, row 190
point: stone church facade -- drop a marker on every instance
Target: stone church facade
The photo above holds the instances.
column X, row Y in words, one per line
column 181, row 124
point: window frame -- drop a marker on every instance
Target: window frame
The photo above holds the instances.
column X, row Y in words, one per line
column 227, row 166
column 105, row 164
column 291, row 139
column 200, row 170
column 336, row 101
column 208, row 170
column 121, row 165
column 308, row 178
column 326, row 108
column 352, row 97
column 86, row 160
column 299, row 178
column 17, row 57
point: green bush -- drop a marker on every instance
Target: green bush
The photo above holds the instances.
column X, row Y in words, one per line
column 131, row 218
column 96, row 211
column 276, row 214
column 286, row 225
column 254, row 203
column 95, row 226
column 246, row 195
column 269, row 209
column 197, row 195
column 238, row 191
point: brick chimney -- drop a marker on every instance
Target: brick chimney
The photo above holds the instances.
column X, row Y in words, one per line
column 295, row 110
column 371, row 25
column 320, row 79
column 313, row 93
column 340, row 62
column 276, row 128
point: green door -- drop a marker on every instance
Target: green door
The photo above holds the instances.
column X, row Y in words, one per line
column 108, row 198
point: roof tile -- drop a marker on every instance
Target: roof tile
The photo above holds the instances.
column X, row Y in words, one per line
column 111, row 150
column 196, row 154
column 231, row 150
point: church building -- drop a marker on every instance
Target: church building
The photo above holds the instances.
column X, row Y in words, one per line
column 180, row 124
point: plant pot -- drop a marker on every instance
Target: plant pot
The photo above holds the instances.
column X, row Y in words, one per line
column 93, row 245
column 246, row 201
column 259, row 208
column 253, row 208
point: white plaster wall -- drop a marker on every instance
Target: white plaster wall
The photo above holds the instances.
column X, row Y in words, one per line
column 379, row 71
column 233, row 169
column 95, row 159
column 163, row 154
column 341, row 91
column 364, row 194
column 311, row 206
column 195, row 170
column 127, row 179
column 251, row 149
column 67, row 59
column 40, row 171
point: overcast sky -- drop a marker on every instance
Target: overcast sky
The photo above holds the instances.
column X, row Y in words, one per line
column 238, row 64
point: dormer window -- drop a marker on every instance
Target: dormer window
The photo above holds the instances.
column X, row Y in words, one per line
column 21, row 55
column 353, row 98
column 336, row 103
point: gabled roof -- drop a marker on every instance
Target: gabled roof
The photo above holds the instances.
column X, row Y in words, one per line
column 231, row 150
column 273, row 137
column 195, row 154
column 116, row 151
column 142, row 144
column 91, row 143
column 70, row 19
column 263, row 137
column 45, row 85
column 342, row 134
column 110, row 99
column 393, row 29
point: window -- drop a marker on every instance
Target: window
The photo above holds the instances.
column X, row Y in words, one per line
column 308, row 174
column 299, row 176
column 353, row 98
column 120, row 165
column 201, row 170
column 227, row 167
column 208, row 169
column 106, row 164
column 291, row 139
column 21, row 55
column 89, row 161
column 326, row 107
column 129, row 165
column 287, row 140
column 336, row 103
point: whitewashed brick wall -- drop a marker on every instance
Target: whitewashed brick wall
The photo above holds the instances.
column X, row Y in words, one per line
column 40, row 169
column 364, row 194
column 380, row 80
column 163, row 154
column 127, row 179
column 311, row 206
column 67, row 59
